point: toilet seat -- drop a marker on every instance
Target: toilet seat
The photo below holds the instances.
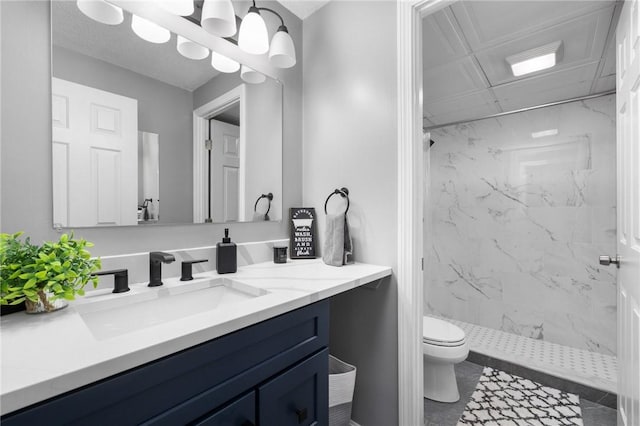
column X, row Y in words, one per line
column 437, row 332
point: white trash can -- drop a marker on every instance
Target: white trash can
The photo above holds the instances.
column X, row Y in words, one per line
column 342, row 381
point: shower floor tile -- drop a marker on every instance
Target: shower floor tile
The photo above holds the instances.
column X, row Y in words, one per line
column 588, row 368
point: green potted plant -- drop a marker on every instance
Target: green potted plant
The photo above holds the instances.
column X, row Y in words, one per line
column 45, row 276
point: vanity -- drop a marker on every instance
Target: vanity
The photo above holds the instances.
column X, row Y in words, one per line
column 258, row 356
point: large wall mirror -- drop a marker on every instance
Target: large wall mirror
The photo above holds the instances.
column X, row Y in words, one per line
column 143, row 135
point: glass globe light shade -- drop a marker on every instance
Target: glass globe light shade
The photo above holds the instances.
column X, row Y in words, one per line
column 219, row 18
column 251, row 76
column 101, row 11
column 282, row 53
column 223, row 64
column 190, row 49
column 149, row 31
column 253, row 36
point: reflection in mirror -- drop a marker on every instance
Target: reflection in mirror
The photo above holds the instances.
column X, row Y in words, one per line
column 131, row 121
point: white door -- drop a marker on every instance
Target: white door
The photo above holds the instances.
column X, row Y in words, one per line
column 628, row 154
column 95, row 156
column 225, row 172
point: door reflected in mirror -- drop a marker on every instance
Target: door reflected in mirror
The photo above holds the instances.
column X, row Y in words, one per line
column 137, row 126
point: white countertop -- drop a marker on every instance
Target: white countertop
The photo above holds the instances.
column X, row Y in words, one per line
column 48, row 354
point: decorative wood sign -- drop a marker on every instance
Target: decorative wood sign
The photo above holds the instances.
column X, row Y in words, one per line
column 302, row 244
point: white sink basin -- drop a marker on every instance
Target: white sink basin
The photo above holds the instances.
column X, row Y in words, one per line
column 116, row 314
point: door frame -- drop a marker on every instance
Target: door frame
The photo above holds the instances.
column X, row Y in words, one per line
column 410, row 198
column 201, row 118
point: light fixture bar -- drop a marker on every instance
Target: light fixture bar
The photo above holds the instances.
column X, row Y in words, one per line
column 537, row 59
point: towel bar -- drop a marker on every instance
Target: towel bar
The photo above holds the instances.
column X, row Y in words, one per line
column 344, row 193
column 269, row 197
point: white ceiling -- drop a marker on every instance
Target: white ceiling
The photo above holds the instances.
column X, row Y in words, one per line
column 303, row 8
column 465, row 45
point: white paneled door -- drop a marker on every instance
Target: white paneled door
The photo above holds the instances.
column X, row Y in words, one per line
column 628, row 146
column 225, row 172
column 95, row 156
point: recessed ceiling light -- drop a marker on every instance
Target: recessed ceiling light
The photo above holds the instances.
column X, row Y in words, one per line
column 543, row 133
column 537, row 59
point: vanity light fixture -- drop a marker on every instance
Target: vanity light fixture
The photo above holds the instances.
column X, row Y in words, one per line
column 218, row 18
column 177, row 7
column 537, row 59
column 191, row 49
column 249, row 75
column 101, row 11
column 223, row 64
column 253, row 38
column 149, row 31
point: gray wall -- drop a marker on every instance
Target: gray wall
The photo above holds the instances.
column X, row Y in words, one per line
column 350, row 140
column 26, row 194
column 163, row 109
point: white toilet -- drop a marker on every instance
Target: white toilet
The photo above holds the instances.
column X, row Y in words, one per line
column 443, row 345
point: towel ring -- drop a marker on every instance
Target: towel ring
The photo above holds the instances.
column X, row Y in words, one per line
column 344, row 193
column 269, row 197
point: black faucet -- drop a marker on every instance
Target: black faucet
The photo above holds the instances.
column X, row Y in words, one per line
column 156, row 259
column 120, row 279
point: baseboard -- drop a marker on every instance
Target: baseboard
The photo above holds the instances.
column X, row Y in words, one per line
column 352, row 423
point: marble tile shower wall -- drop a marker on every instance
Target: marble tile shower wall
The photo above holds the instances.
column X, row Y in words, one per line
column 518, row 223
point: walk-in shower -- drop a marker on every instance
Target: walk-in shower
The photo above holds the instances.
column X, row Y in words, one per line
column 518, row 209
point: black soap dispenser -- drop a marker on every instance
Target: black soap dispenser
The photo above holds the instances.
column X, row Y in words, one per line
column 226, row 255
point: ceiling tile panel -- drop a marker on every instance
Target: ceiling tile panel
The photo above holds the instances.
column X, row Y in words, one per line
column 557, row 86
column 441, row 38
column 486, row 23
column 466, row 105
column 453, row 79
column 480, row 83
column 583, row 41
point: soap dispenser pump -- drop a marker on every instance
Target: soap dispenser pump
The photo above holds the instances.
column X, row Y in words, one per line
column 226, row 255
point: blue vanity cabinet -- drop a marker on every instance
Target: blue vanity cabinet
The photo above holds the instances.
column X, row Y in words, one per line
column 271, row 373
column 241, row 412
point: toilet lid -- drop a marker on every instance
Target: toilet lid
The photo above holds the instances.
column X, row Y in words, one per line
column 441, row 332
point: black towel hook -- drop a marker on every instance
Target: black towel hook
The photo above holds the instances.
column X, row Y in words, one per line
column 344, row 193
column 269, row 197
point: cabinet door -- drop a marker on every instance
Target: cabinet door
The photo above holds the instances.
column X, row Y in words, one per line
column 299, row 396
column 239, row 413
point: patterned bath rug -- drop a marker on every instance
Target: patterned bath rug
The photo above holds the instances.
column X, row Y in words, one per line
column 502, row 399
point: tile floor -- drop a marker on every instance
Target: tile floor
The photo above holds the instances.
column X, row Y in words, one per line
column 468, row 374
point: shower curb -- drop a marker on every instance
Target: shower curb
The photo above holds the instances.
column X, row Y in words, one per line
column 607, row 399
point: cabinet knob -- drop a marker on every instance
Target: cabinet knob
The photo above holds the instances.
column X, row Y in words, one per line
column 302, row 415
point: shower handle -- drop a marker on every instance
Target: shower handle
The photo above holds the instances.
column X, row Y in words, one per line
column 607, row 260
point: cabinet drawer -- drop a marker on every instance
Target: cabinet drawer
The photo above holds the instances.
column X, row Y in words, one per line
column 299, row 396
column 239, row 413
